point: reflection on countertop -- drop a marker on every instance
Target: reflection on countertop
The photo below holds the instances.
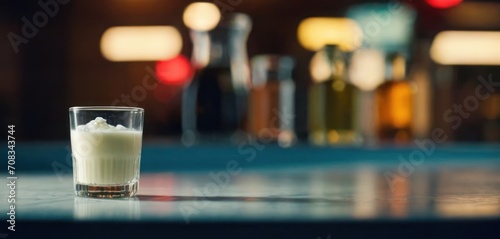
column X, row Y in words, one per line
column 343, row 193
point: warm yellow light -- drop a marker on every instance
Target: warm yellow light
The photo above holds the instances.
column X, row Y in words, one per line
column 466, row 48
column 401, row 116
column 316, row 32
column 201, row 16
column 366, row 70
column 140, row 43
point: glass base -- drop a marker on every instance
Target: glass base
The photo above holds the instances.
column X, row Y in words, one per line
column 113, row 191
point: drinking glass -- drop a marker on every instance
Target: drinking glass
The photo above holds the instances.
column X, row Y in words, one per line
column 106, row 146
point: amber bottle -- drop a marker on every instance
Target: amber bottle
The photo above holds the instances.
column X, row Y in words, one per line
column 394, row 110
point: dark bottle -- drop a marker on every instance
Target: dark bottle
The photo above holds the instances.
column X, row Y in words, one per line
column 215, row 102
column 394, row 103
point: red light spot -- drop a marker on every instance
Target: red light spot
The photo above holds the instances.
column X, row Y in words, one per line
column 175, row 71
column 443, row 3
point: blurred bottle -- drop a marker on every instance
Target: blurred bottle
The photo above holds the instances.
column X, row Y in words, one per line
column 491, row 115
column 320, row 71
column 394, row 103
column 316, row 119
column 215, row 102
column 332, row 100
column 366, row 71
column 271, row 106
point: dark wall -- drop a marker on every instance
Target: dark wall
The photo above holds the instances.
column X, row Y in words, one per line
column 61, row 65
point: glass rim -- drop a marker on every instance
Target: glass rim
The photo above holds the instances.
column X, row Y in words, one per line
column 106, row 108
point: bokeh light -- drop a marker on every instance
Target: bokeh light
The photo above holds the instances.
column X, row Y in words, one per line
column 140, row 43
column 201, row 16
column 319, row 67
column 315, row 32
column 443, row 3
column 466, row 48
column 175, row 71
column 387, row 27
column 366, row 70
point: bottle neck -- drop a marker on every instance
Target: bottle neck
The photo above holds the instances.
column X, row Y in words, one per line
column 225, row 47
column 336, row 61
column 221, row 47
column 271, row 68
column 201, row 49
column 338, row 71
column 396, row 68
column 212, row 49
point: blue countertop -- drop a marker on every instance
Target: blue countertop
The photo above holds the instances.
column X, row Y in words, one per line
column 303, row 191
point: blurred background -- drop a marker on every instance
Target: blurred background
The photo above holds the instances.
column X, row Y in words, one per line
column 53, row 56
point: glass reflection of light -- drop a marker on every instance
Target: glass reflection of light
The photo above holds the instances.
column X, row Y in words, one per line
column 421, row 186
column 468, row 193
column 140, row 43
column 255, row 186
column 315, row 32
column 159, row 189
column 466, row 48
column 398, row 202
column 161, row 184
column 105, row 209
column 468, row 206
column 201, row 49
column 365, row 204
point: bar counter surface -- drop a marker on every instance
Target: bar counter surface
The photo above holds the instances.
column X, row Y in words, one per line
column 263, row 191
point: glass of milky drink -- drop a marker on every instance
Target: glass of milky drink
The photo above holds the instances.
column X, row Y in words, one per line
column 106, row 146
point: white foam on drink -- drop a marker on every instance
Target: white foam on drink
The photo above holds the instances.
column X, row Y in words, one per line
column 104, row 154
column 99, row 124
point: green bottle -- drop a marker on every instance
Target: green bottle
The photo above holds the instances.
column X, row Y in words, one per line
column 332, row 101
